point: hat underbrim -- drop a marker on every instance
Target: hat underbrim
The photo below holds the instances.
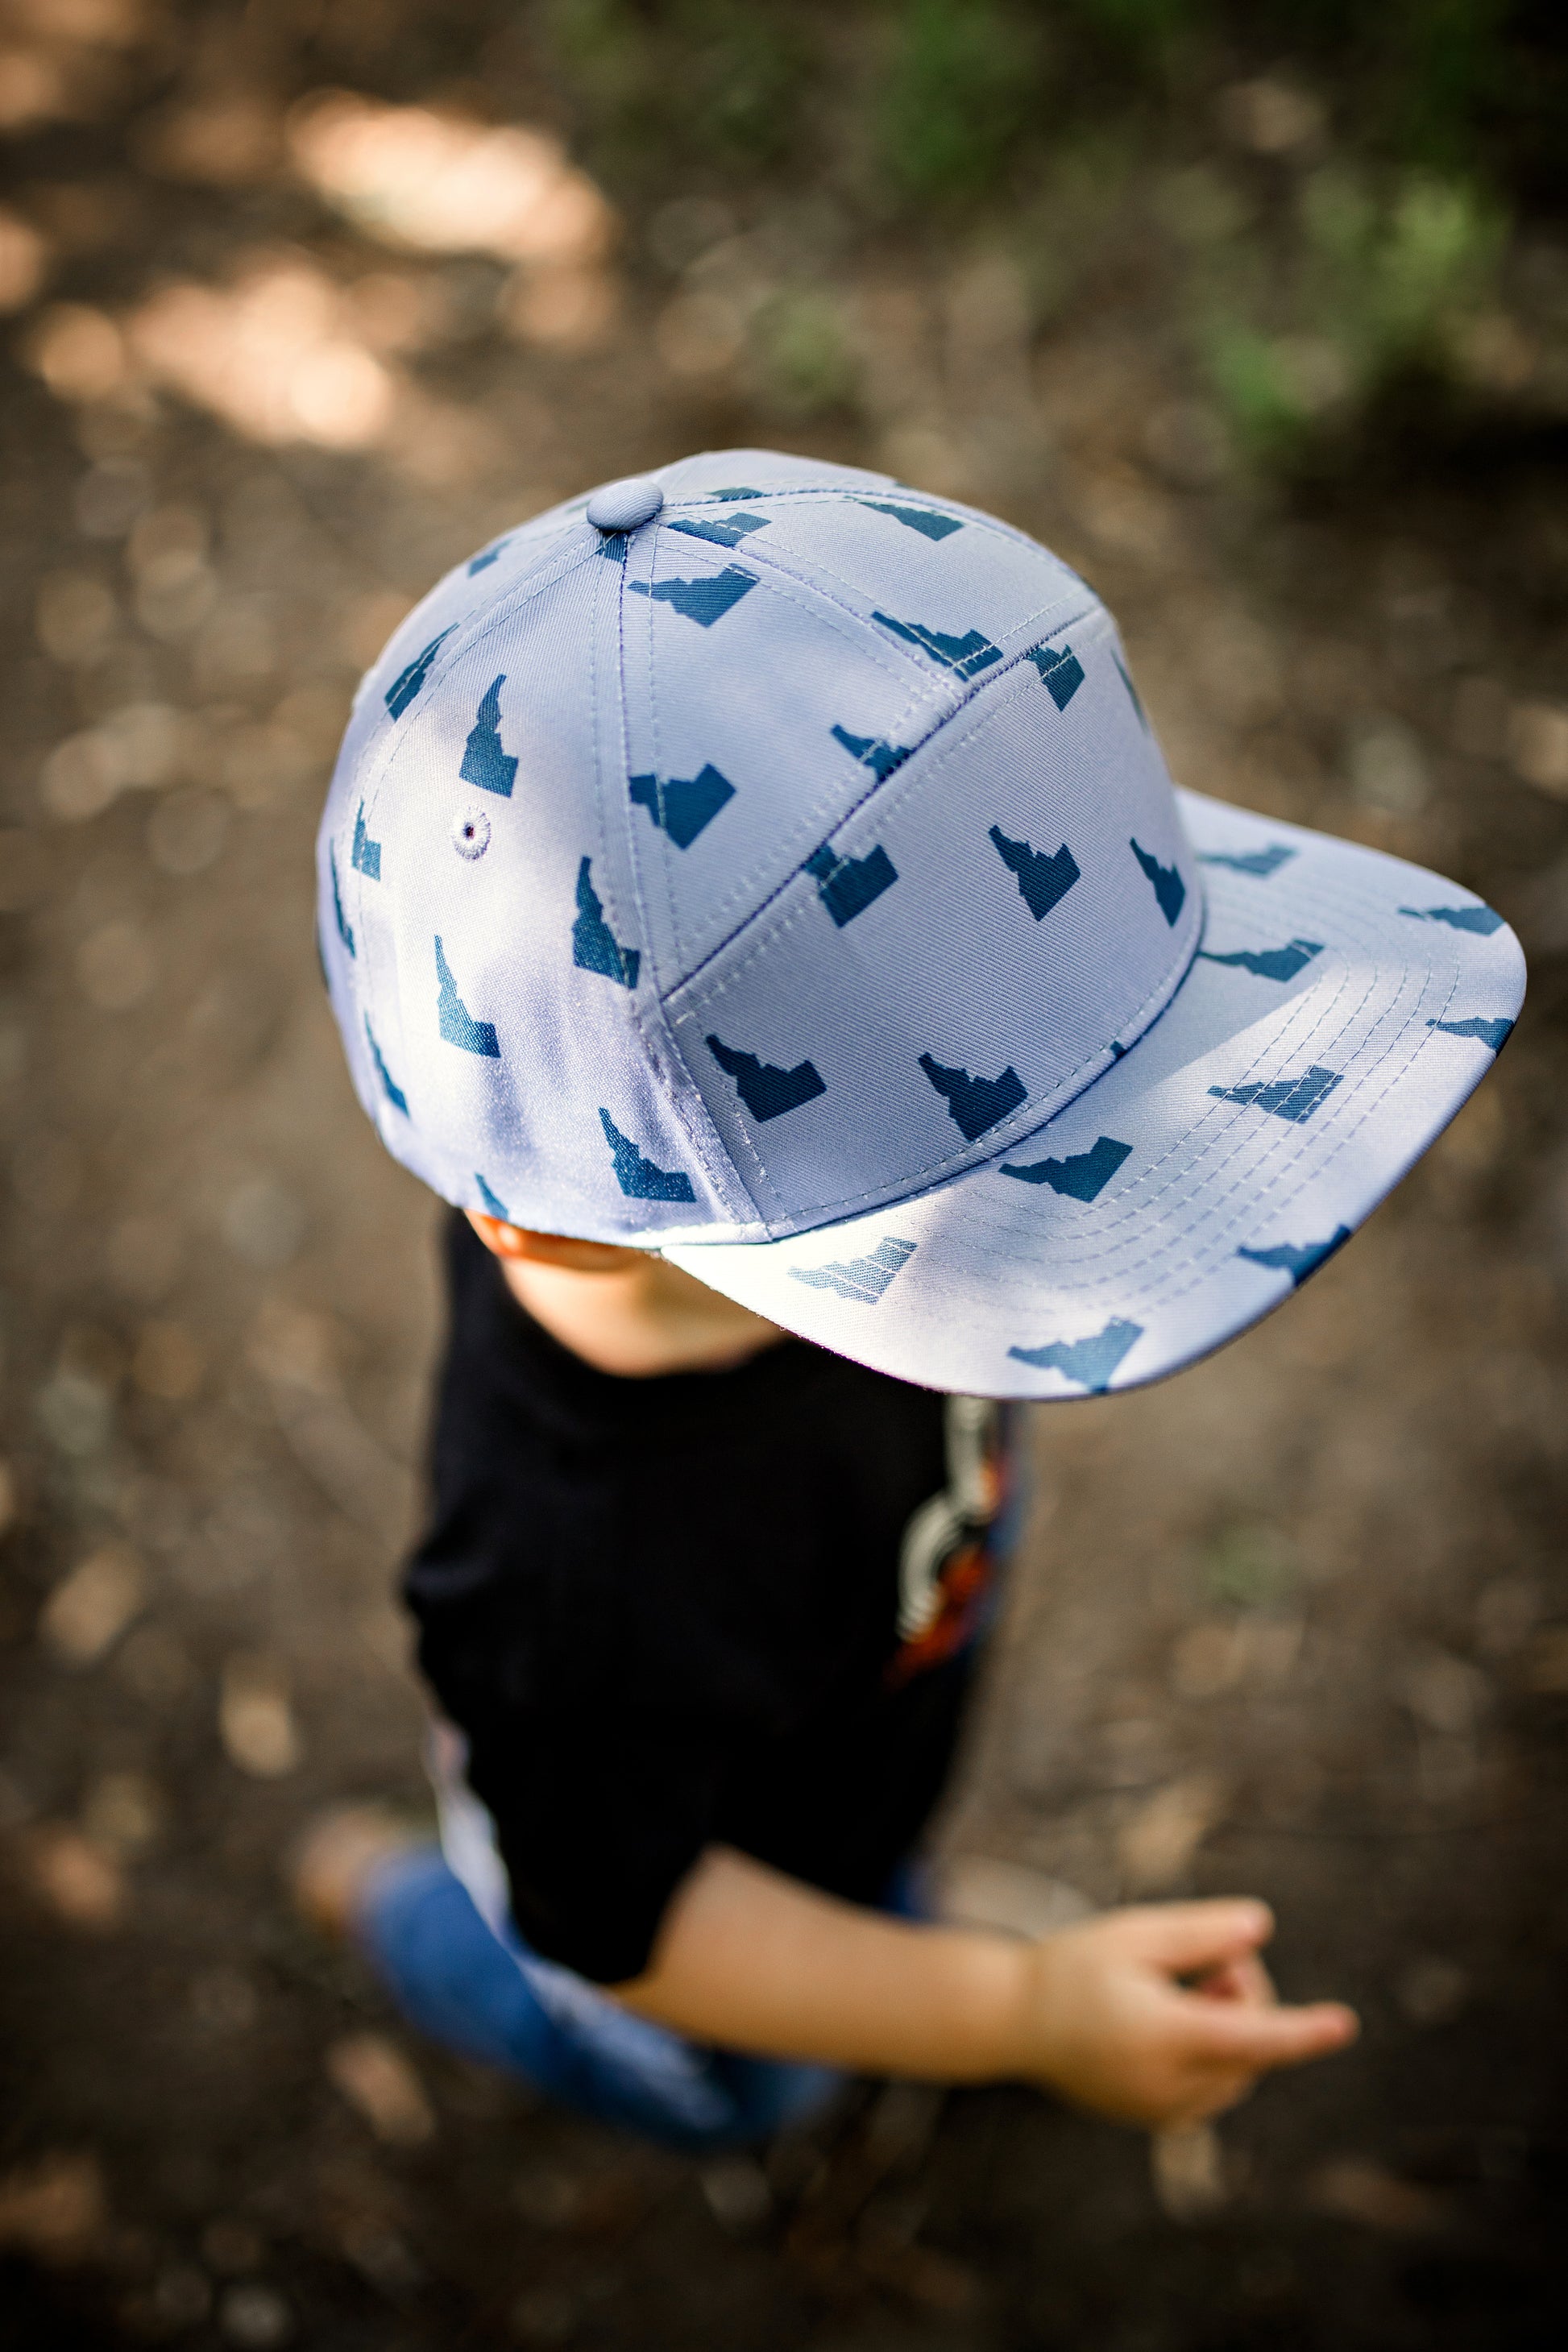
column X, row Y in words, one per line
column 1341, row 1007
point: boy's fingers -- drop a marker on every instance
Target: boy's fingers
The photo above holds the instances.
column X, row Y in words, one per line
column 1250, row 2039
column 1188, row 1937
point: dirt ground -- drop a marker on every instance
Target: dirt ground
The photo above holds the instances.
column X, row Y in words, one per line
column 1296, row 1622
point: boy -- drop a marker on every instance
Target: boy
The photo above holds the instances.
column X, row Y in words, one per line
column 753, row 895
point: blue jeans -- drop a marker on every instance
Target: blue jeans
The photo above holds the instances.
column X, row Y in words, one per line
column 486, row 1994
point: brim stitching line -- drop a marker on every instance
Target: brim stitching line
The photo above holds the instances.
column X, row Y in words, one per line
column 1288, row 1154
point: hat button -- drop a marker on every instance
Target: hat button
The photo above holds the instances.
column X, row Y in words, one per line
column 624, row 506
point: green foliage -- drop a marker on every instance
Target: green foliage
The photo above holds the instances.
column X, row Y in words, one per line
column 1247, row 1568
column 699, row 81
column 1374, row 286
column 806, row 362
column 962, row 84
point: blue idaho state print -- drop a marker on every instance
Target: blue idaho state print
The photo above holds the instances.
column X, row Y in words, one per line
column 366, row 855
column 724, row 531
column 702, row 600
column 456, row 1023
column 863, row 1280
column 641, row 1178
column 1270, row 963
column 847, row 886
column 1483, row 920
column 1091, row 1362
column 394, row 1093
column 1062, row 672
column 1299, row 1259
column 405, row 686
column 1170, row 890
column 871, row 752
column 1293, row 1098
column 484, row 762
column 1494, row 1033
column 766, row 1090
column 1259, row 863
column 976, row 1104
column 1081, row 1175
column 921, row 519
column 594, row 947
column 1044, row 880
column 682, row 805
column 344, row 933
column 966, row 655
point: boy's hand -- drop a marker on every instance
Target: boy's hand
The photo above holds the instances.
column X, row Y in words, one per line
column 1164, row 2014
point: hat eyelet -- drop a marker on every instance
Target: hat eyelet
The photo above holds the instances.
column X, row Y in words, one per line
column 471, row 834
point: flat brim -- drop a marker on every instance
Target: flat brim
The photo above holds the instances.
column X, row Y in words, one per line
column 1341, row 1007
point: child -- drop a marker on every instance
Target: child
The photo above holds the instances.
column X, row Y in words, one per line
column 753, row 895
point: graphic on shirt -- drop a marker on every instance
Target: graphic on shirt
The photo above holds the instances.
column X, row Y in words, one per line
column 405, row 686
column 456, row 1023
column 1170, row 890
column 966, row 655
column 703, row 601
column 766, row 1090
column 594, row 947
column 920, row 519
column 1299, row 1259
column 946, row 1566
column 1293, row 1098
column 484, row 762
column 1062, row 672
column 724, row 531
column 682, row 805
column 641, row 1178
column 1259, row 863
column 871, row 752
column 1089, row 1362
column 1043, row 879
column 1270, row 963
column 846, row 886
column 344, row 933
column 1081, row 1176
column 366, row 853
column 394, row 1093
column 1481, row 919
column 861, row 1278
column 1495, row 1034
column 975, row 1104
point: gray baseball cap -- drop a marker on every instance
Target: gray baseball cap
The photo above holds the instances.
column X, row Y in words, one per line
column 767, row 864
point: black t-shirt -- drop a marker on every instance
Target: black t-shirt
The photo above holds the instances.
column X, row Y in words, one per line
column 666, row 1611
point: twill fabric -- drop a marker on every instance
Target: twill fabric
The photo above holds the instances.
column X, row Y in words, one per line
column 791, row 881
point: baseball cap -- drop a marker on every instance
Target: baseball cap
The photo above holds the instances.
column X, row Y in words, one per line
column 765, row 863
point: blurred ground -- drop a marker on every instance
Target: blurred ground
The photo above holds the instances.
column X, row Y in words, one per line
column 1297, row 1622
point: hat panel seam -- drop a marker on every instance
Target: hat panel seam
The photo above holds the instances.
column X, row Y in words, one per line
column 648, row 1005
column 1287, row 1152
column 1011, row 669
column 904, row 671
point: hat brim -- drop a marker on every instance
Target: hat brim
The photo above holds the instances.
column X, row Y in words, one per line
column 1341, row 1007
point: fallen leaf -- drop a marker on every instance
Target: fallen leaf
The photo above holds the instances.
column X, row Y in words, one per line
column 378, row 2082
column 85, row 1615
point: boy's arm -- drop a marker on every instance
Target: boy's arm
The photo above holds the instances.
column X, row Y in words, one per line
column 1156, row 2016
